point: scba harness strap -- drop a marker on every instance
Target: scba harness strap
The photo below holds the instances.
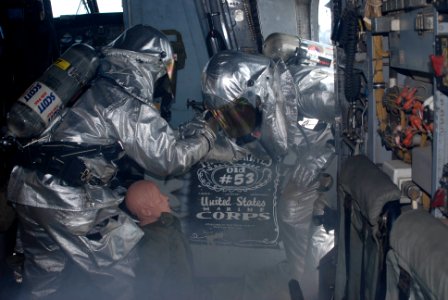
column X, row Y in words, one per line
column 63, row 160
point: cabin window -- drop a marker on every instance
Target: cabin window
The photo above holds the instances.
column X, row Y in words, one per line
column 76, row 7
column 324, row 16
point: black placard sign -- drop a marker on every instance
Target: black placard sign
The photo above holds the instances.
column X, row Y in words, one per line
column 233, row 203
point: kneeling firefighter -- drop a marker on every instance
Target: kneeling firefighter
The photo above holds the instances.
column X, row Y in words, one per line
column 66, row 194
column 255, row 101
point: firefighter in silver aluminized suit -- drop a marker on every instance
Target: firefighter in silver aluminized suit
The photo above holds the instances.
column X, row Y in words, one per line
column 70, row 218
column 255, row 101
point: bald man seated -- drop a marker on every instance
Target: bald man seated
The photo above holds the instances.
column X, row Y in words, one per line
column 165, row 267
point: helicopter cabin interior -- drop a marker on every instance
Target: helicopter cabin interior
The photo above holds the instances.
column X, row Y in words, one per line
column 376, row 230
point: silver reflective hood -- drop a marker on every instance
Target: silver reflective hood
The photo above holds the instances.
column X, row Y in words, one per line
column 146, row 40
column 230, row 76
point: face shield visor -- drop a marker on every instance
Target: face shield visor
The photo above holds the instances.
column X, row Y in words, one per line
column 237, row 119
column 166, row 84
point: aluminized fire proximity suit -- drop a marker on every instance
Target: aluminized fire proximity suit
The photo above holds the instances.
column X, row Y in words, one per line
column 259, row 97
column 81, row 225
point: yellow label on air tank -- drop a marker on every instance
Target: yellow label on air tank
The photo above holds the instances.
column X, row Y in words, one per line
column 62, row 64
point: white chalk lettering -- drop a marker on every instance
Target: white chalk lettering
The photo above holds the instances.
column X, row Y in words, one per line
column 246, row 216
column 243, row 201
column 205, row 201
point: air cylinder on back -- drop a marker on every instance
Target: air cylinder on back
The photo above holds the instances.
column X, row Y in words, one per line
column 61, row 83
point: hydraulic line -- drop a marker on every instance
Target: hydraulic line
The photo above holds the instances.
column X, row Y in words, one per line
column 350, row 41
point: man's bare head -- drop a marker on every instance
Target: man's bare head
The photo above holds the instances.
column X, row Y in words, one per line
column 146, row 202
